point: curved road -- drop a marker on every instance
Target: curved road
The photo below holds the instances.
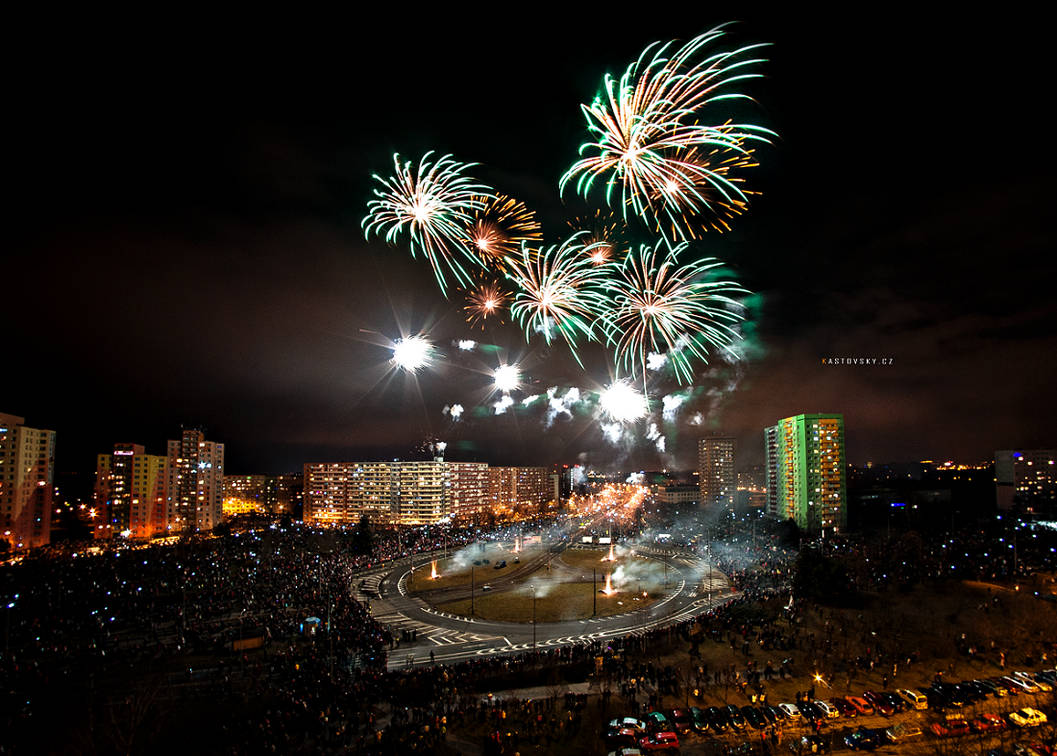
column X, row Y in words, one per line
column 453, row 638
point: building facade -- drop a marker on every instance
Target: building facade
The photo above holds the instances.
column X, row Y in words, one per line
column 27, row 482
column 260, row 494
column 806, row 471
column 1027, row 478
column 519, row 491
column 467, row 490
column 678, row 494
column 131, row 493
column 195, row 501
column 420, row 492
column 422, row 495
column 716, row 471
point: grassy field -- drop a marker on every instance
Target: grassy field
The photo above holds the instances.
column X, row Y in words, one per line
column 570, row 596
column 451, row 577
column 565, row 601
column 592, row 558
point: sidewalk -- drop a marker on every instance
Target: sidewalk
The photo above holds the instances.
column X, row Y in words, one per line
column 540, row 691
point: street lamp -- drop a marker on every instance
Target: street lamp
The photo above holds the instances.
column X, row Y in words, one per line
column 533, row 618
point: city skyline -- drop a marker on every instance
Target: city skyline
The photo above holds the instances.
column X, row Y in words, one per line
column 233, row 265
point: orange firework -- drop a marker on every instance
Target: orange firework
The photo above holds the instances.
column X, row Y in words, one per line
column 499, row 228
column 486, row 301
column 700, row 198
column 605, row 235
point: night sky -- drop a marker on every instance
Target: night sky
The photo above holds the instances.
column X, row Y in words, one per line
column 185, row 247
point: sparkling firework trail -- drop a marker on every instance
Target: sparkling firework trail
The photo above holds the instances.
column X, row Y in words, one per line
column 659, row 305
column 483, row 302
column 685, row 210
column 435, row 204
column 560, row 292
column 604, row 235
column 649, row 141
column 499, row 229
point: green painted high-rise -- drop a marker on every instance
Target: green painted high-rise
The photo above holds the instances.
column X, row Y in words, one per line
column 806, row 471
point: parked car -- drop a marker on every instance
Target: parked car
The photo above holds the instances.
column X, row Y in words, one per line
column 1032, row 749
column 754, row 717
column 993, row 689
column 1010, row 688
column 947, row 695
column 1031, row 679
column 969, row 693
column 681, row 721
column 953, row 726
column 698, row 719
column 657, row 722
column 860, row 705
column 737, row 719
column 790, row 711
column 915, row 699
column 902, row 731
column 1027, row 717
column 660, row 741
column 809, row 711
column 877, row 701
column 893, row 700
column 1025, row 686
column 618, row 737
column 989, row 722
column 717, row 718
column 630, row 722
column 829, row 711
column 771, row 714
column 863, row 739
column 845, row 708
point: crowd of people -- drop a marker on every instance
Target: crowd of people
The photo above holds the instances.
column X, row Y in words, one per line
column 260, row 627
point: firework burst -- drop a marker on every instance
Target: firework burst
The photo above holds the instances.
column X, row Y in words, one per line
column 657, row 304
column 412, row 353
column 434, row 203
column 648, row 138
column 485, row 301
column 622, row 403
column 499, row 228
column 604, row 234
column 685, row 210
column 560, row 291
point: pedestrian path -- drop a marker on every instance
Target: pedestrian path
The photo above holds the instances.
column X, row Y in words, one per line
column 395, row 621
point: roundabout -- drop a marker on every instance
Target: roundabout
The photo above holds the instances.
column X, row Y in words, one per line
column 483, row 599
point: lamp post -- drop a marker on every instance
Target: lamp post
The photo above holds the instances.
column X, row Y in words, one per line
column 709, row 531
column 594, row 593
column 533, row 618
column 471, row 590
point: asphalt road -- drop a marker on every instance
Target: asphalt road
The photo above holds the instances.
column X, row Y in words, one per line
column 453, row 638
